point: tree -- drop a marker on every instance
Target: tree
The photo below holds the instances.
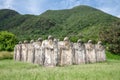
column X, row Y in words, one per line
column 111, row 37
column 7, row 41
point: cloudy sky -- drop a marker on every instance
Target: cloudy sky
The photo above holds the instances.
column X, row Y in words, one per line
column 39, row 6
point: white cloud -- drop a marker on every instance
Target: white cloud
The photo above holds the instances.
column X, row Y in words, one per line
column 39, row 6
column 62, row 4
column 118, row 16
column 111, row 6
column 32, row 7
column 8, row 4
column 70, row 3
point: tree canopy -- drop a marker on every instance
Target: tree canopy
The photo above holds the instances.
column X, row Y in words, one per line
column 7, row 41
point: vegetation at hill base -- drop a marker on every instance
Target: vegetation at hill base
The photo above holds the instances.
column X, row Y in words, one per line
column 81, row 21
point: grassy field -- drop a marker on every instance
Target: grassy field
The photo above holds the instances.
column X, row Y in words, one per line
column 12, row 70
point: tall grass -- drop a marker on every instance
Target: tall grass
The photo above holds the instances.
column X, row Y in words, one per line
column 6, row 55
column 12, row 70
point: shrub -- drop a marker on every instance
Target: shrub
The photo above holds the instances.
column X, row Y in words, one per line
column 74, row 38
column 7, row 41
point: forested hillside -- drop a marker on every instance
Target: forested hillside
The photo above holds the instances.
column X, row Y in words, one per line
column 79, row 22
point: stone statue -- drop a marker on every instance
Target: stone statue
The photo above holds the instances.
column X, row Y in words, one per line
column 100, row 52
column 90, row 52
column 65, row 48
column 31, row 52
column 79, row 52
column 17, row 51
column 24, row 53
column 49, row 52
column 52, row 52
column 38, row 59
column 55, row 53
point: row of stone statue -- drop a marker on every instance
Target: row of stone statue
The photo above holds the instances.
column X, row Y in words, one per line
column 52, row 52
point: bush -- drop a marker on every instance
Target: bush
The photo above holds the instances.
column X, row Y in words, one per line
column 74, row 38
column 7, row 41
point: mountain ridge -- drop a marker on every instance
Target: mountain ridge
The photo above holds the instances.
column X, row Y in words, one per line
column 77, row 22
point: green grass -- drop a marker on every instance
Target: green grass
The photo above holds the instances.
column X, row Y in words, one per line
column 12, row 70
column 112, row 56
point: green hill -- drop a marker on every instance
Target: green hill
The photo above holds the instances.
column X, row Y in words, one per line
column 79, row 22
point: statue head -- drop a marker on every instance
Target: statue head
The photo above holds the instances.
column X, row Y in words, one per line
column 99, row 42
column 79, row 41
column 32, row 41
column 55, row 40
column 50, row 37
column 90, row 41
column 25, row 41
column 66, row 39
column 20, row 42
column 40, row 39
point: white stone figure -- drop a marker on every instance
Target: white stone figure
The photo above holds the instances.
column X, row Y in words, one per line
column 100, row 52
column 49, row 53
column 60, row 46
column 24, row 52
column 90, row 52
column 38, row 59
column 79, row 52
column 31, row 52
column 17, row 51
column 52, row 52
column 55, row 58
column 65, row 53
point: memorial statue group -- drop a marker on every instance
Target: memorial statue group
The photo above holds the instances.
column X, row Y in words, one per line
column 52, row 52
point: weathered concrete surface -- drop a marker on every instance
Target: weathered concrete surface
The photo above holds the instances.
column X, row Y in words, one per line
column 100, row 52
column 24, row 52
column 79, row 53
column 50, row 55
column 90, row 52
column 65, row 48
column 38, row 53
column 15, row 52
column 52, row 52
column 31, row 53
